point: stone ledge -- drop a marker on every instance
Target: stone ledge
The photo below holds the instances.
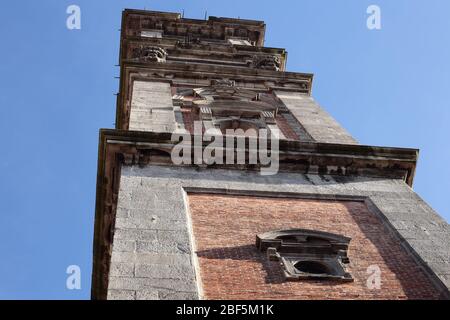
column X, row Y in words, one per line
column 117, row 147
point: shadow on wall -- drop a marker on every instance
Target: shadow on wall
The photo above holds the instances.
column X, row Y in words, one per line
column 274, row 274
column 273, row 271
column 374, row 244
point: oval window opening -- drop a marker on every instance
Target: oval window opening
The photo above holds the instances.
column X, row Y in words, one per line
column 312, row 267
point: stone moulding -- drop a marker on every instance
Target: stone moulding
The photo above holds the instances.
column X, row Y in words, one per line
column 117, row 147
column 177, row 74
column 307, row 254
column 210, row 53
column 173, row 25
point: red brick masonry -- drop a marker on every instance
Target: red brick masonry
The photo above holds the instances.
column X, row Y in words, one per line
column 231, row 268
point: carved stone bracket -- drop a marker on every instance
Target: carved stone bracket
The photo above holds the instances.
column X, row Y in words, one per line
column 266, row 62
column 149, row 54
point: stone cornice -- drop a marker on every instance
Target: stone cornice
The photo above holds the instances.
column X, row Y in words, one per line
column 174, row 25
column 190, row 74
column 219, row 54
column 294, row 156
column 175, row 45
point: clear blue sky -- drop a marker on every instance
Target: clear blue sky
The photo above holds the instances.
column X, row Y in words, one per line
column 387, row 87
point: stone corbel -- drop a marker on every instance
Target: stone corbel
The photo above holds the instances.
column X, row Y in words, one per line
column 266, row 62
column 149, row 54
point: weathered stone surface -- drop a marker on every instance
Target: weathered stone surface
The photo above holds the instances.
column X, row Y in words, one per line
column 177, row 295
column 316, row 121
column 163, row 246
column 151, row 107
column 121, row 269
column 152, row 258
column 135, row 234
column 158, row 271
column 147, row 284
column 147, row 295
column 121, row 294
column 124, row 245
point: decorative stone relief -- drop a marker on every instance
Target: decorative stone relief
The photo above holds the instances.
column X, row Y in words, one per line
column 149, row 54
column 266, row 62
column 225, row 89
column 223, row 105
column 307, row 254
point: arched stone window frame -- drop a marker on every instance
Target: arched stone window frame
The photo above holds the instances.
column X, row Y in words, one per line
column 223, row 102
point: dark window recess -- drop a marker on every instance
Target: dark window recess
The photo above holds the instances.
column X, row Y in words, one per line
column 307, row 254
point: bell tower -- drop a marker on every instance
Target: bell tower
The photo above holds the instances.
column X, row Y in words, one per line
column 334, row 220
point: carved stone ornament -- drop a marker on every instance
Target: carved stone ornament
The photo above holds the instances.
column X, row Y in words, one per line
column 188, row 41
column 224, row 90
column 223, row 82
column 266, row 62
column 149, row 54
column 307, row 254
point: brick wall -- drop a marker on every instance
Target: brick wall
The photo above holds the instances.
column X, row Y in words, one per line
column 188, row 119
column 225, row 227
